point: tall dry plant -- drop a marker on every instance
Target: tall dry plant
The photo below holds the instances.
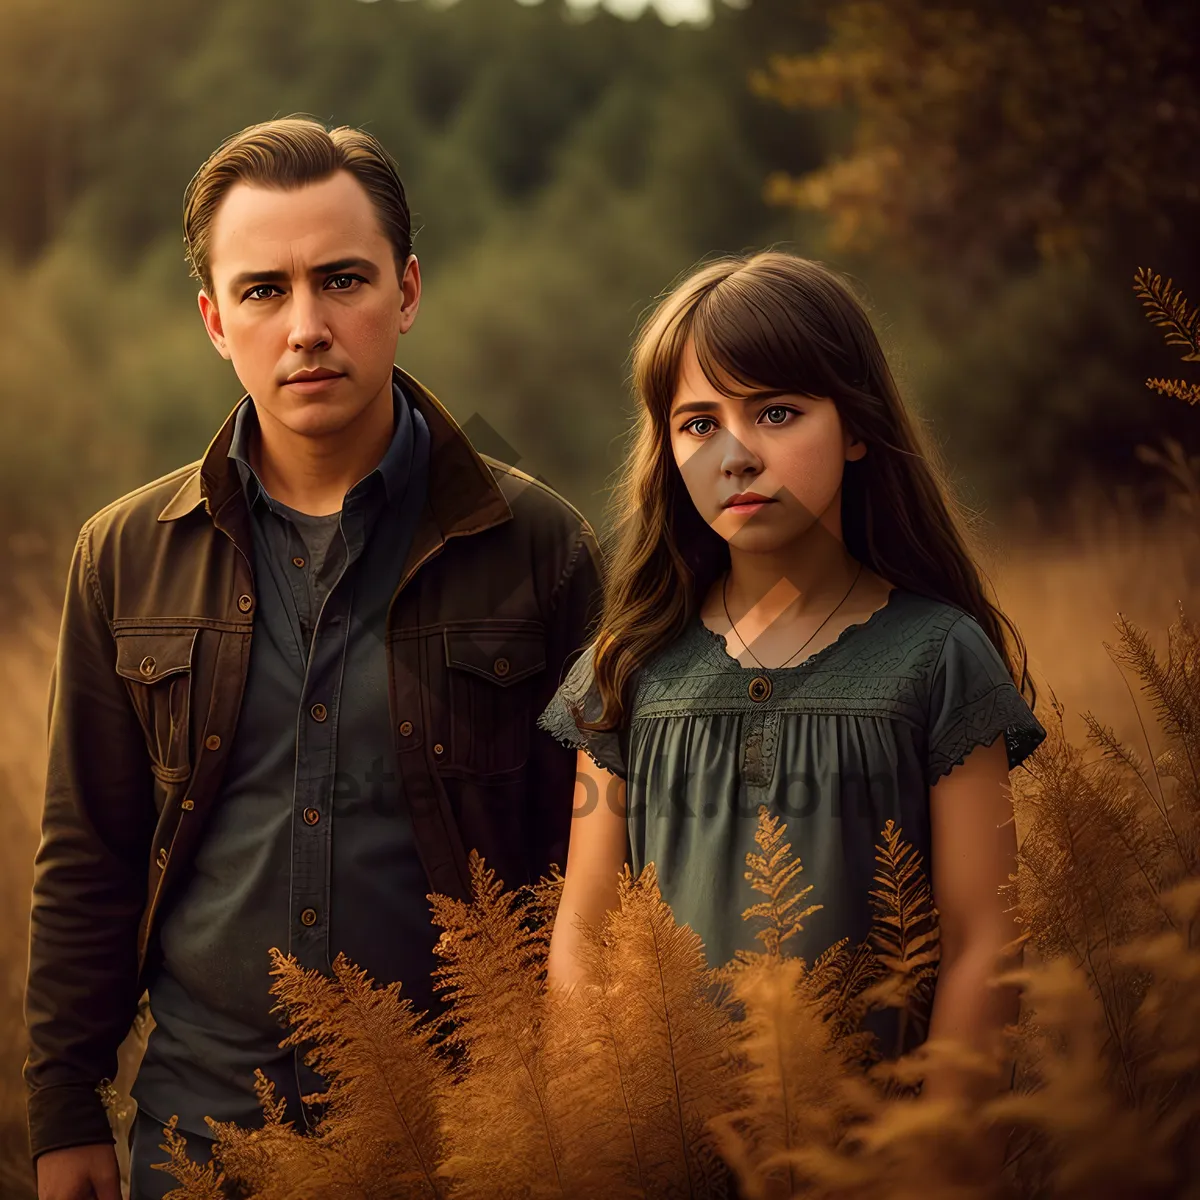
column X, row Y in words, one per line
column 659, row 1077
column 663, row 1077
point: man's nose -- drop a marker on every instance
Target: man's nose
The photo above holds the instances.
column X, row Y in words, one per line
column 310, row 330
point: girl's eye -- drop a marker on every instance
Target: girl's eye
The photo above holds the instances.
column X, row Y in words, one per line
column 694, row 422
column 778, row 408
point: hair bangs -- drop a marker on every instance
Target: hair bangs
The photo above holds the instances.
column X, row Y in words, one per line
column 746, row 348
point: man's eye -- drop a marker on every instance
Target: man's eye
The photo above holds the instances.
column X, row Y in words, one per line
column 261, row 291
column 343, row 282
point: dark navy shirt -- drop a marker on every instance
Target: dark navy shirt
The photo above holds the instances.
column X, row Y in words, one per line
column 310, row 848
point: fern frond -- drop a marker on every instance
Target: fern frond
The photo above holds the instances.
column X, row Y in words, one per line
column 676, row 1046
column 386, row 1083
column 276, row 1162
column 904, row 932
column 839, row 980
column 500, row 1129
column 196, row 1182
column 1178, row 389
column 794, row 1095
column 1168, row 309
column 773, row 872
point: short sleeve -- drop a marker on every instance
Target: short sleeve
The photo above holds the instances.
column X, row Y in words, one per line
column 973, row 700
column 604, row 749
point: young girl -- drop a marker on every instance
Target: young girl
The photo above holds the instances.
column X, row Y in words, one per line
column 792, row 618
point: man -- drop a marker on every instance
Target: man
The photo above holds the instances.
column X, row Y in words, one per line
column 297, row 681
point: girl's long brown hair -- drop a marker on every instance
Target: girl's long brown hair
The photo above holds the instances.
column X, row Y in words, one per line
column 774, row 322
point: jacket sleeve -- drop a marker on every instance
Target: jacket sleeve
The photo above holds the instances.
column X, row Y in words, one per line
column 90, row 876
column 574, row 615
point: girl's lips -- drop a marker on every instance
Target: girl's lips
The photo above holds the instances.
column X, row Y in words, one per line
column 749, row 507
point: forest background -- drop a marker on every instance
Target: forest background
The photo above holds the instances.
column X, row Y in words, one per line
column 989, row 173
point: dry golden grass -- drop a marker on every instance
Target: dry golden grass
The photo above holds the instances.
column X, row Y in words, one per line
column 1065, row 596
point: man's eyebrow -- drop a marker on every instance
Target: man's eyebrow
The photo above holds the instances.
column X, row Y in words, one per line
column 330, row 268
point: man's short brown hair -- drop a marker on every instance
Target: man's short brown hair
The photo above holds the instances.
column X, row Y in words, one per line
column 288, row 153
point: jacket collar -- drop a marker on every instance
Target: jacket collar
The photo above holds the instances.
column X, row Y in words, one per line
column 463, row 495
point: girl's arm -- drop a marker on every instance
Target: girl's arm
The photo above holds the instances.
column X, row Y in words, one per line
column 974, row 853
column 595, row 856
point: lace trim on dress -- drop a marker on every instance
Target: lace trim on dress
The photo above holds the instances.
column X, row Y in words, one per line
column 604, row 749
column 979, row 723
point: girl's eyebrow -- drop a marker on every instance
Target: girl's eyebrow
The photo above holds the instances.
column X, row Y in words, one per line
column 752, row 398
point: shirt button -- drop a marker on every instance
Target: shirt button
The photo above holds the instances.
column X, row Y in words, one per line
column 188, row 804
column 437, row 748
column 319, row 712
column 245, row 603
column 500, row 666
column 311, row 816
column 213, row 741
column 147, row 666
column 760, row 688
column 405, row 728
column 308, row 916
column 297, row 562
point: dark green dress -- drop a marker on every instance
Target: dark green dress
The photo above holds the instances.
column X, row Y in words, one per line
column 835, row 745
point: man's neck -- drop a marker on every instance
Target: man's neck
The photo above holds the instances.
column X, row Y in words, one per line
column 313, row 474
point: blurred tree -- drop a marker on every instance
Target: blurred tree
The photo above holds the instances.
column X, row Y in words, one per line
column 990, row 133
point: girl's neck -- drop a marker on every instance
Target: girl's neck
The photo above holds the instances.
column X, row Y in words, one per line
column 807, row 579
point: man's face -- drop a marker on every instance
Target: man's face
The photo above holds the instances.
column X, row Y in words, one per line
column 306, row 300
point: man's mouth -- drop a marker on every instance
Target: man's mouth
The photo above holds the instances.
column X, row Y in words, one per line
column 313, row 375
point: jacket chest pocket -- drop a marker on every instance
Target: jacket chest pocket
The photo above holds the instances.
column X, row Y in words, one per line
column 157, row 669
column 494, row 668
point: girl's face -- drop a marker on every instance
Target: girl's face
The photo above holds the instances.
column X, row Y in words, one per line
column 789, row 449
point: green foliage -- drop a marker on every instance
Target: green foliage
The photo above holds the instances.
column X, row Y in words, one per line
column 560, row 173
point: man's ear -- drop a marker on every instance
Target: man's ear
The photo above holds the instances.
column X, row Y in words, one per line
column 410, row 288
column 211, row 316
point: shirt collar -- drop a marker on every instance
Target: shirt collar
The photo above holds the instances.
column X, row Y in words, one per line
column 392, row 470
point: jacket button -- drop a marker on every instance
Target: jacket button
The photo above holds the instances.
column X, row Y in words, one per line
column 760, row 688
column 308, row 916
column 311, row 816
column 319, row 712
column 245, row 603
column 147, row 666
column 405, row 728
column 162, row 858
column 438, row 748
column 188, row 804
column 297, row 562
column 500, row 666
column 213, row 741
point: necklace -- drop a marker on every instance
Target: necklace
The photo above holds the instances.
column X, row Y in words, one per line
column 725, row 584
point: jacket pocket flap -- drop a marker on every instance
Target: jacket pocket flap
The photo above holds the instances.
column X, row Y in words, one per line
column 496, row 654
column 149, row 657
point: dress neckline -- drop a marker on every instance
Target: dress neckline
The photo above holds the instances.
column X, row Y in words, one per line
column 720, row 648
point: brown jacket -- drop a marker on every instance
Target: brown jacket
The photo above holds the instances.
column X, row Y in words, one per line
column 500, row 590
